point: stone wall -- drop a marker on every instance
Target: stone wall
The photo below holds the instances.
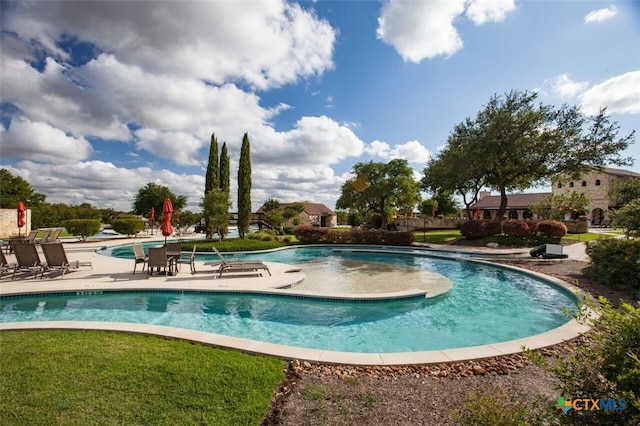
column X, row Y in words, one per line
column 413, row 223
column 8, row 223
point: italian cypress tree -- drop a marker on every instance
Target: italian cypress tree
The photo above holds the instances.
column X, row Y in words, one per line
column 212, row 178
column 244, row 188
column 225, row 171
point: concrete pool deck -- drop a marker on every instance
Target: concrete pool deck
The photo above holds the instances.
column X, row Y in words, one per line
column 110, row 274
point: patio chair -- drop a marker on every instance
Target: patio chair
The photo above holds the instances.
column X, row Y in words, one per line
column 157, row 258
column 54, row 237
column 139, row 256
column 31, row 237
column 231, row 266
column 5, row 266
column 44, row 237
column 56, row 258
column 28, row 259
column 190, row 260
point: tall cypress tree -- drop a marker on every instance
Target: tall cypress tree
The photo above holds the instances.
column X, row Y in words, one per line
column 225, row 171
column 244, row 188
column 212, row 178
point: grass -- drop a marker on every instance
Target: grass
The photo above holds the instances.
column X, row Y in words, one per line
column 450, row 235
column 437, row 237
column 78, row 378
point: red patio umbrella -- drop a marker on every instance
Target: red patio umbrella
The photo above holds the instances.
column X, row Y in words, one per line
column 152, row 218
column 167, row 209
column 22, row 215
column 476, row 215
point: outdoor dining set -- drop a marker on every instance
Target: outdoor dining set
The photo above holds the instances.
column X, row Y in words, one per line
column 166, row 260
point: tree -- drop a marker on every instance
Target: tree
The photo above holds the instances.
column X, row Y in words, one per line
column 273, row 213
column 225, row 171
column 626, row 190
column 212, row 178
column 153, row 195
column 244, row 188
column 292, row 211
column 380, row 188
column 628, row 218
column 216, row 212
column 555, row 206
column 447, row 206
column 455, row 171
column 14, row 189
column 514, row 144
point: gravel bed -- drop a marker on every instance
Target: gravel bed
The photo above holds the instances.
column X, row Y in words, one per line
column 316, row 394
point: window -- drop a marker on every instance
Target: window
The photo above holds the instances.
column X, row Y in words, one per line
column 584, row 183
column 597, row 182
column 559, row 185
column 570, row 184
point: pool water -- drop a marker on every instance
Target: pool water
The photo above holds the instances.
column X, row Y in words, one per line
column 487, row 304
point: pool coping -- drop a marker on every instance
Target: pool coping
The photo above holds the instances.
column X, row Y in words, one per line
column 565, row 332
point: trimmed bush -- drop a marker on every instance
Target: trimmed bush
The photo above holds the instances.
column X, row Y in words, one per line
column 127, row 226
column 82, row 228
column 615, row 262
column 308, row 234
column 516, row 228
column 552, row 229
column 473, row 229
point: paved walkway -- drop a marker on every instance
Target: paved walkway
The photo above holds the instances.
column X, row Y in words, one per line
column 111, row 273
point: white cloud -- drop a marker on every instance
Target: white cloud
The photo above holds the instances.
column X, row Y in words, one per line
column 42, row 142
column 412, row 151
column 563, row 87
column 285, row 41
column 482, row 11
column 378, row 149
column 425, row 29
column 103, row 184
column 601, row 15
column 620, row 94
column 419, row 30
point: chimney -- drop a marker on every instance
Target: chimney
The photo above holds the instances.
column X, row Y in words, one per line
column 484, row 194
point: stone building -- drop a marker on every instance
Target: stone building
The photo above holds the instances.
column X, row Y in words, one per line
column 596, row 185
column 314, row 214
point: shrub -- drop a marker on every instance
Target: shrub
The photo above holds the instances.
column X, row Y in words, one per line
column 608, row 367
column 82, row 228
column 473, row 229
column 552, row 229
column 516, row 228
column 127, row 226
column 615, row 262
column 310, row 234
column 488, row 408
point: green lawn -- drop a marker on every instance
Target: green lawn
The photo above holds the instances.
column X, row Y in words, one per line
column 80, row 378
column 437, row 237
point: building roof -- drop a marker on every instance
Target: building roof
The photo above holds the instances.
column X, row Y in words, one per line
column 620, row 172
column 310, row 208
column 514, row 201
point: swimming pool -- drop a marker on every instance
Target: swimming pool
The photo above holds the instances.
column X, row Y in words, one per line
column 487, row 304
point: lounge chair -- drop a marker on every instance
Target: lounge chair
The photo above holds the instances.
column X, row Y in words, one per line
column 231, row 266
column 5, row 266
column 30, row 238
column 157, row 259
column 190, row 260
column 28, row 259
column 139, row 256
column 57, row 259
column 54, row 237
column 44, row 237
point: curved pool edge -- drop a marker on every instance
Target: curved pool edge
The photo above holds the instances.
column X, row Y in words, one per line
column 117, row 273
column 561, row 334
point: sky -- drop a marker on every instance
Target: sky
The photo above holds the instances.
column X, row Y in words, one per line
column 99, row 98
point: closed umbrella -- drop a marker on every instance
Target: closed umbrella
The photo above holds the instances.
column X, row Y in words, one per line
column 167, row 209
column 22, row 215
column 152, row 218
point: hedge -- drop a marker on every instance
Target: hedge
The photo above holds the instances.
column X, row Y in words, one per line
column 127, row 226
column 308, row 234
column 615, row 262
column 480, row 228
column 82, row 228
column 552, row 229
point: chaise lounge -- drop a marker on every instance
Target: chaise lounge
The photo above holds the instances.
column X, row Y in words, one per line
column 234, row 266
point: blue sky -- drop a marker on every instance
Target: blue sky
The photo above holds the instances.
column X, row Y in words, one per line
column 100, row 98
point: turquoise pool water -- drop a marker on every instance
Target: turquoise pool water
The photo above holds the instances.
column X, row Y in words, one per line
column 486, row 305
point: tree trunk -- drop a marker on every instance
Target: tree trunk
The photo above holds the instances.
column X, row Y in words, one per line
column 503, row 203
